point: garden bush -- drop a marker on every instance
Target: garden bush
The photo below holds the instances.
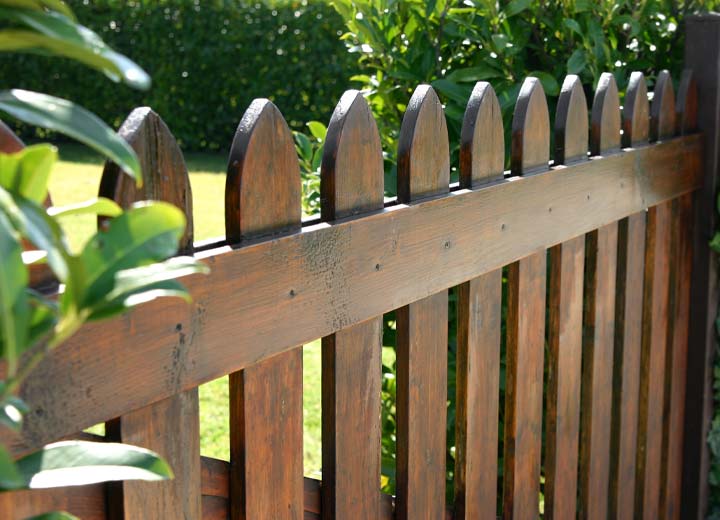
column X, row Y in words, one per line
column 208, row 60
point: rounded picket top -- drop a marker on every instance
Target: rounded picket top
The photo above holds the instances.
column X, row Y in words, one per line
column 662, row 109
column 605, row 117
column 482, row 144
column 262, row 188
column 423, row 149
column 530, row 130
column 636, row 112
column 571, row 122
column 165, row 176
column 9, row 142
column 686, row 110
column 352, row 175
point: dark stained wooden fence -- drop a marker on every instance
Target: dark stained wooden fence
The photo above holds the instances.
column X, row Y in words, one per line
column 596, row 238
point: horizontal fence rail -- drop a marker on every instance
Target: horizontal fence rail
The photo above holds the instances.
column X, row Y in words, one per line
column 592, row 240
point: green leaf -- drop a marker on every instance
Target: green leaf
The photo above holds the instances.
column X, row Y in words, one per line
column 72, row 120
column 516, row 6
column 43, row 316
column 549, row 83
column 10, row 476
column 59, row 35
column 318, row 130
column 98, row 206
column 55, row 515
column 12, row 411
column 14, row 307
column 78, row 463
column 303, row 146
column 573, row 26
column 27, row 171
column 472, row 74
column 577, row 62
column 148, row 232
column 40, row 5
column 458, row 93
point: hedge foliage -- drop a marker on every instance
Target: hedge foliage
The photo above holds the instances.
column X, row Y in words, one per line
column 208, row 60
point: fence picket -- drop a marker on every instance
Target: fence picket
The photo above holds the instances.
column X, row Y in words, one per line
column 655, row 316
column 351, row 183
column 565, row 323
column 678, row 318
column 479, row 308
column 598, row 321
column 628, row 319
column 262, row 197
column 525, row 324
column 423, row 171
column 171, row 426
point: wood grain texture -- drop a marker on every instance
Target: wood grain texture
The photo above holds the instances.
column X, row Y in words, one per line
column 678, row 319
column 422, row 326
column 165, row 175
column 171, row 427
column 262, row 196
column 479, row 308
column 525, row 324
column 628, row 320
column 86, row 502
column 655, row 322
column 562, row 416
column 351, row 182
column 482, row 145
column 599, row 322
column 247, row 296
column 571, row 122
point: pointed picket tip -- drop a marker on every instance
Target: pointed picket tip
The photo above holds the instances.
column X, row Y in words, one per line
column 662, row 109
column 687, row 105
column 352, row 176
column 482, row 144
column 423, row 149
column 636, row 112
column 165, row 175
column 530, row 130
column 605, row 117
column 9, row 142
column 262, row 188
column 571, row 123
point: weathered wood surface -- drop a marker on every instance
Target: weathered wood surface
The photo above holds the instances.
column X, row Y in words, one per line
column 171, row 427
column 352, row 183
column 525, row 324
column 479, row 308
column 422, row 326
column 599, row 322
column 274, row 294
column 678, row 320
column 628, row 320
column 86, row 502
column 655, row 321
column 266, row 421
column 565, row 293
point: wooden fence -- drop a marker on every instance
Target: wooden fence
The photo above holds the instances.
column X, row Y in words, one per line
column 606, row 255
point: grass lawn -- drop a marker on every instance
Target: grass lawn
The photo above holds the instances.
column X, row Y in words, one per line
column 77, row 178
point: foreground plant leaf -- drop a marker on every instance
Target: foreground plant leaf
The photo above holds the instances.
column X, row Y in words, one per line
column 14, row 308
column 10, row 477
column 72, row 120
column 78, row 463
column 27, row 172
column 55, row 515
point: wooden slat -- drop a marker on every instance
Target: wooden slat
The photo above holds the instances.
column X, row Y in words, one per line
column 86, row 502
column 9, row 142
column 352, row 183
column 655, row 316
column 479, row 308
column 525, row 324
column 565, row 324
column 628, row 320
column 171, row 427
column 423, row 171
column 598, row 322
column 678, row 322
column 262, row 196
column 247, row 296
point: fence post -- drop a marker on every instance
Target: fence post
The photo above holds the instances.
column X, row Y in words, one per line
column 702, row 56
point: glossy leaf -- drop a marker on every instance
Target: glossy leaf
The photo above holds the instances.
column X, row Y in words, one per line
column 98, row 206
column 14, row 308
column 72, row 120
column 10, row 476
column 317, row 129
column 27, row 171
column 78, row 463
column 12, row 410
column 54, row 515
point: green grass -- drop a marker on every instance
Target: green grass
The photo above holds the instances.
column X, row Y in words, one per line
column 76, row 177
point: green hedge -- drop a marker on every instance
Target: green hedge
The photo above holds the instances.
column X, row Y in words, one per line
column 208, row 61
